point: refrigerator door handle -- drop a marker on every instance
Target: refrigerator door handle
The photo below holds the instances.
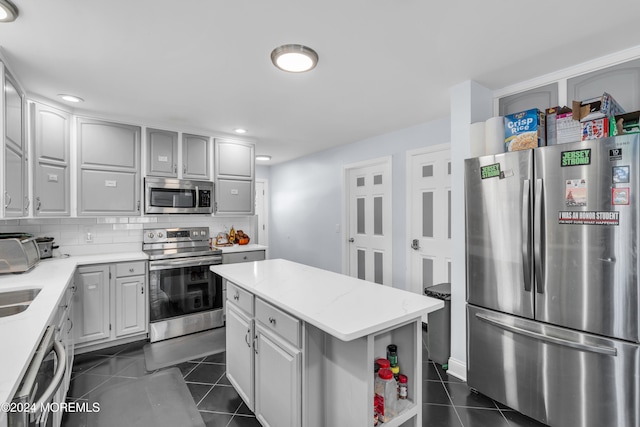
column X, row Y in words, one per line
column 538, row 231
column 526, row 235
column 609, row 351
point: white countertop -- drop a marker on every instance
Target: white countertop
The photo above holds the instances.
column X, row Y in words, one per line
column 242, row 248
column 20, row 334
column 342, row 306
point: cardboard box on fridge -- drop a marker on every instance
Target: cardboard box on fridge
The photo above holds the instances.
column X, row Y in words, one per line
column 524, row 130
column 596, row 108
column 624, row 124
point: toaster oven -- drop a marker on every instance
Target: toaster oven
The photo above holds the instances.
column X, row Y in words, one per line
column 18, row 252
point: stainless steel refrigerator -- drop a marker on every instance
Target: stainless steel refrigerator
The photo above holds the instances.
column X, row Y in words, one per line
column 552, row 281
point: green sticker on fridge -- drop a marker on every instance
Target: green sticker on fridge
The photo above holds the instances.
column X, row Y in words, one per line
column 490, row 171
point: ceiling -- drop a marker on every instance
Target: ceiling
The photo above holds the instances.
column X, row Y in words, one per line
column 204, row 65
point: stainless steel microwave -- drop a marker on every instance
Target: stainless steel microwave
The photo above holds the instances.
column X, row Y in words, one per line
column 177, row 196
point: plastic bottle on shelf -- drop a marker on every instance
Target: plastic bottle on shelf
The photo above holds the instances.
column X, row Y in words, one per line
column 386, row 395
column 403, row 388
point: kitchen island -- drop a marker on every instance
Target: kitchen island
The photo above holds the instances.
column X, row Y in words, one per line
column 301, row 343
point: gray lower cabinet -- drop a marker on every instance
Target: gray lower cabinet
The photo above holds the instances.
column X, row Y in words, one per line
column 50, row 132
column 264, row 358
column 162, row 149
column 195, row 157
column 234, row 257
column 109, row 168
column 110, row 302
column 234, row 177
column 14, row 194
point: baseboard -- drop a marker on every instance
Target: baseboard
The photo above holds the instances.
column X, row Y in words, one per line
column 457, row 369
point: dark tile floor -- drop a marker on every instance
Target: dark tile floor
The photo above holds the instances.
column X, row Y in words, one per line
column 447, row 401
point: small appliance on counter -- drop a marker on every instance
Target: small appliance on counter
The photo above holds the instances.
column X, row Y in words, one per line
column 46, row 246
column 18, row 252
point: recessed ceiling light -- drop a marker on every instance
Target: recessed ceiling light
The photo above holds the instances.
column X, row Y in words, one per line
column 294, row 58
column 70, row 98
column 240, row 130
column 8, row 12
column 263, row 157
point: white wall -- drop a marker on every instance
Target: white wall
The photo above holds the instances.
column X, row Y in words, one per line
column 307, row 198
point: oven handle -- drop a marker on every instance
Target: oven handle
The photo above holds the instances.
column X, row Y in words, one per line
column 61, row 354
column 188, row 262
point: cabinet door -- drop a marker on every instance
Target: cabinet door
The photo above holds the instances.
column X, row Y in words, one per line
column 162, row 147
column 108, row 145
column 130, row 305
column 239, row 342
column 621, row 81
column 195, row 157
column 91, row 304
column 15, row 168
column 541, row 98
column 234, row 197
column 14, row 201
column 104, row 192
column 51, row 140
column 278, row 384
column 234, row 159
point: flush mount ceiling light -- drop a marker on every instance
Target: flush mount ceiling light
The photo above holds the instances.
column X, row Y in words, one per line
column 240, row 130
column 70, row 98
column 263, row 157
column 8, row 12
column 294, row 58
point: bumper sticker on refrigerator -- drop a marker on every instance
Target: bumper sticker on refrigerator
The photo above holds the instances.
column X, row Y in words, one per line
column 575, row 158
column 589, row 217
column 620, row 174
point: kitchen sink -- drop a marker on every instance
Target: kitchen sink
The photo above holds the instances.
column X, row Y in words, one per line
column 14, row 302
column 10, row 310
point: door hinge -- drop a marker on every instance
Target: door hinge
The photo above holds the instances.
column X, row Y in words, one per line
column 109, row 275
column 109, row 326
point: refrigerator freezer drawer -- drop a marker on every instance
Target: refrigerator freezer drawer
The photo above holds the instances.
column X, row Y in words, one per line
column 558, row 376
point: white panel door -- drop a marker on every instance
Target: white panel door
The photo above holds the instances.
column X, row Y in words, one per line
column 429, row 212
column 369, row 222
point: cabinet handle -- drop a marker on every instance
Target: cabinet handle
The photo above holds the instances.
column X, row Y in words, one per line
column 236, row 296
column 138, row 206
column 175, row 168
column 246, row 337
column 38, row 203
column 184, row 169
column 131, row 270
column 26, row 199
column 7, row 199
column 142, row 289
column 272, row 320
column 255, row 344
column 70, row 325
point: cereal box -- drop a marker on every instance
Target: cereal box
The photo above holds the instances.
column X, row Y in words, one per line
column 524, row 130
column 567, row 129
column 623, row 124
column 594, row 129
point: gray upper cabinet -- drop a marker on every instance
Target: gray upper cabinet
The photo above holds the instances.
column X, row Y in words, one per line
column 195, row 157
column 162, row 149
column 14, row 195
column 108, row 168
column 541, row 98
column 50, row 130
column 234, row 177
column 621, row 81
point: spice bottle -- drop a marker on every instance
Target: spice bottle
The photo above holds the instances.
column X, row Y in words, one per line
column 403, row 388
column 386, row 395
column 395, row 370
column 392, row 354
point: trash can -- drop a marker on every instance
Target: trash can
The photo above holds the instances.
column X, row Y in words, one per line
column 439, row 325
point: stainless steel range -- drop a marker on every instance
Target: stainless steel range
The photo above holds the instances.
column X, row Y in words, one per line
column 184, row 295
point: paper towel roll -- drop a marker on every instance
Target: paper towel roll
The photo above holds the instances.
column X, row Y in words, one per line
column 494, row 135
column 476, row 139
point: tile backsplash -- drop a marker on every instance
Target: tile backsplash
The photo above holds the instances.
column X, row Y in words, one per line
column 89, row 236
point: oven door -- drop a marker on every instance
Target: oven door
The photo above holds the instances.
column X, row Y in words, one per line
column 184, row 296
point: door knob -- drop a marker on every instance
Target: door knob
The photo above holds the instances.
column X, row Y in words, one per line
column 351, row 240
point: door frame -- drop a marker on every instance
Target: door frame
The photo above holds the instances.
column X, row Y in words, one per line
column 265, row 200
column 410, row 202
column 344, row 232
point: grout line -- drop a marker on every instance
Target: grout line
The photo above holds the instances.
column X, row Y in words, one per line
column 446, row 390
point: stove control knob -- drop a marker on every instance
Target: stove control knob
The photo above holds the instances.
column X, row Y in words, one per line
column 160, row 234
column 203, row 233
column 151, row 235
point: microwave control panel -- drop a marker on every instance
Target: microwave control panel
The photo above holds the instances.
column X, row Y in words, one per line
column 205, row 199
